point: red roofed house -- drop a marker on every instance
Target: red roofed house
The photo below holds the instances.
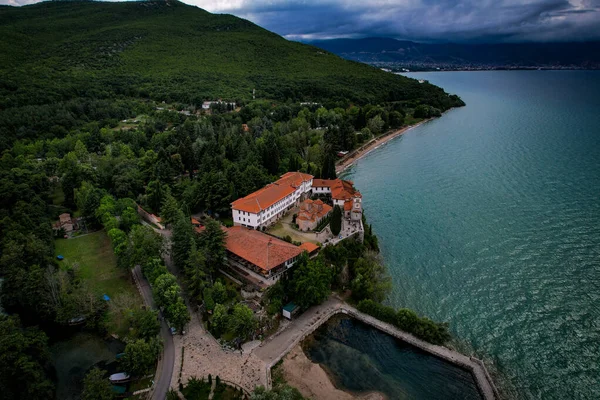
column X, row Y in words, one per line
column 265, row 206
column 311, row 248
column 311, row 213
column 258, row 256
column 65, row 222
column 343, row 194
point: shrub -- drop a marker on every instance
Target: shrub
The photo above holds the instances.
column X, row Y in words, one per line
column 408, row 321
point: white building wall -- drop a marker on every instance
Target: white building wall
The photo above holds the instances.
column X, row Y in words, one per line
column 245, row 218
column 321, row 190
column 273, row 212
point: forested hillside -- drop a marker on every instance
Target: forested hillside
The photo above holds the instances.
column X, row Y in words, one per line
column 63, row 60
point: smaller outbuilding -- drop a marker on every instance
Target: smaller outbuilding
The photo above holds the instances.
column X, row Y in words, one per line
column 289, row 310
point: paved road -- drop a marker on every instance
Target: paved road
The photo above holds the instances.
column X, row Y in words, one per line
column 165, row 368
column 277, row 346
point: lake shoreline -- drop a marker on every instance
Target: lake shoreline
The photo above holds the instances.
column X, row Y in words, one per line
column 375, row 143
column 314, row 381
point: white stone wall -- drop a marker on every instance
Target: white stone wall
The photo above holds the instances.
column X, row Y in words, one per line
column 321, row 190
column 245, row 218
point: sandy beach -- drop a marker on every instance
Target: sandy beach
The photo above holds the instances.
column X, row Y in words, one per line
column 312, row 380
column 372, row 145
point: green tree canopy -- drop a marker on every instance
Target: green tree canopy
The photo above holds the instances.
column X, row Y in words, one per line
column 24, row 360
column 311, row 282
column 242, row 321
column 370, row 280
column 335, row 224
column 212, row 240
column 96, row 386
column 140, row 356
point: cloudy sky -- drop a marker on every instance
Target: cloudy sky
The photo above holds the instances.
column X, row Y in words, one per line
column 420, row 20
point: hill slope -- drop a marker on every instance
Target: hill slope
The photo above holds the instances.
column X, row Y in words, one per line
column 169, row 51
column 387, row 50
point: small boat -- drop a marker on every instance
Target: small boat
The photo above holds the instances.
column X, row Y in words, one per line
column 77, row 321
column 119, row 377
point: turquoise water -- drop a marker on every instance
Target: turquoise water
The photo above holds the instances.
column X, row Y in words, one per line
column 362, row 359
column 489, row 219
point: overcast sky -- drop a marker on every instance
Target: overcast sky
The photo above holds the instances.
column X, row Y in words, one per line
column 420, row 20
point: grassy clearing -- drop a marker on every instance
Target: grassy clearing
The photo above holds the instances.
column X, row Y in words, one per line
column 94, row 260
column 281, row 230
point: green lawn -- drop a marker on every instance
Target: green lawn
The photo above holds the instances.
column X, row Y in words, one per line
column 96, row 263
column 281, row 230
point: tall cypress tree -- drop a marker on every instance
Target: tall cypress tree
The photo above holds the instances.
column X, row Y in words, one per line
column 336, row 220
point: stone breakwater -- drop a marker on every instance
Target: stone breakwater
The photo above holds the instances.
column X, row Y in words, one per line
column 278, row 346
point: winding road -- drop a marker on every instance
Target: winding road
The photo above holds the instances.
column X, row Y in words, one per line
column 164, row 370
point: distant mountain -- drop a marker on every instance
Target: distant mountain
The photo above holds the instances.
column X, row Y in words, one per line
column 455, row 55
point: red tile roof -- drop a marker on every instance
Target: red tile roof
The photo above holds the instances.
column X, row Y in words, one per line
column 262, row 250
column 310, row 247
column 272, row 193
column 313, row 210
column 340, row 189
column 322, row 182
column 343, row 190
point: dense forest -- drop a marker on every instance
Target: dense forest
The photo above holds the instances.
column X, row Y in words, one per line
column 67, row 63
column 100, row 111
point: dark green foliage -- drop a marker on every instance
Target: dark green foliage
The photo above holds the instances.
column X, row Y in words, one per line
column 311, row 282
column 209, row 302
column 324, row 222
column 335, row 223
column 328, row 169
column 195, row 272
column 145, row 245
column 242, row 321
column 197, row 389
column 275, row 297
column 145, row 324
column 96, row 386
column 370, row 281
column 408, row 321
column 88, row 54
column 280, row 392
column 167, row 295
column 24, row 362
column 140, row 356
column 426, row 111
column 212, row 240
column 181, row 241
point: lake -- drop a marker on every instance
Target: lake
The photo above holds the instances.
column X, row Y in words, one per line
column 489, row 219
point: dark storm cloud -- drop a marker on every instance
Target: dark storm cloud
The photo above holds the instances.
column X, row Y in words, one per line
column 424, row 20
column 429, row 20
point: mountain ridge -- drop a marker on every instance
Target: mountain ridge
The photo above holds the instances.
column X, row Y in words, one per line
column 380, row 50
